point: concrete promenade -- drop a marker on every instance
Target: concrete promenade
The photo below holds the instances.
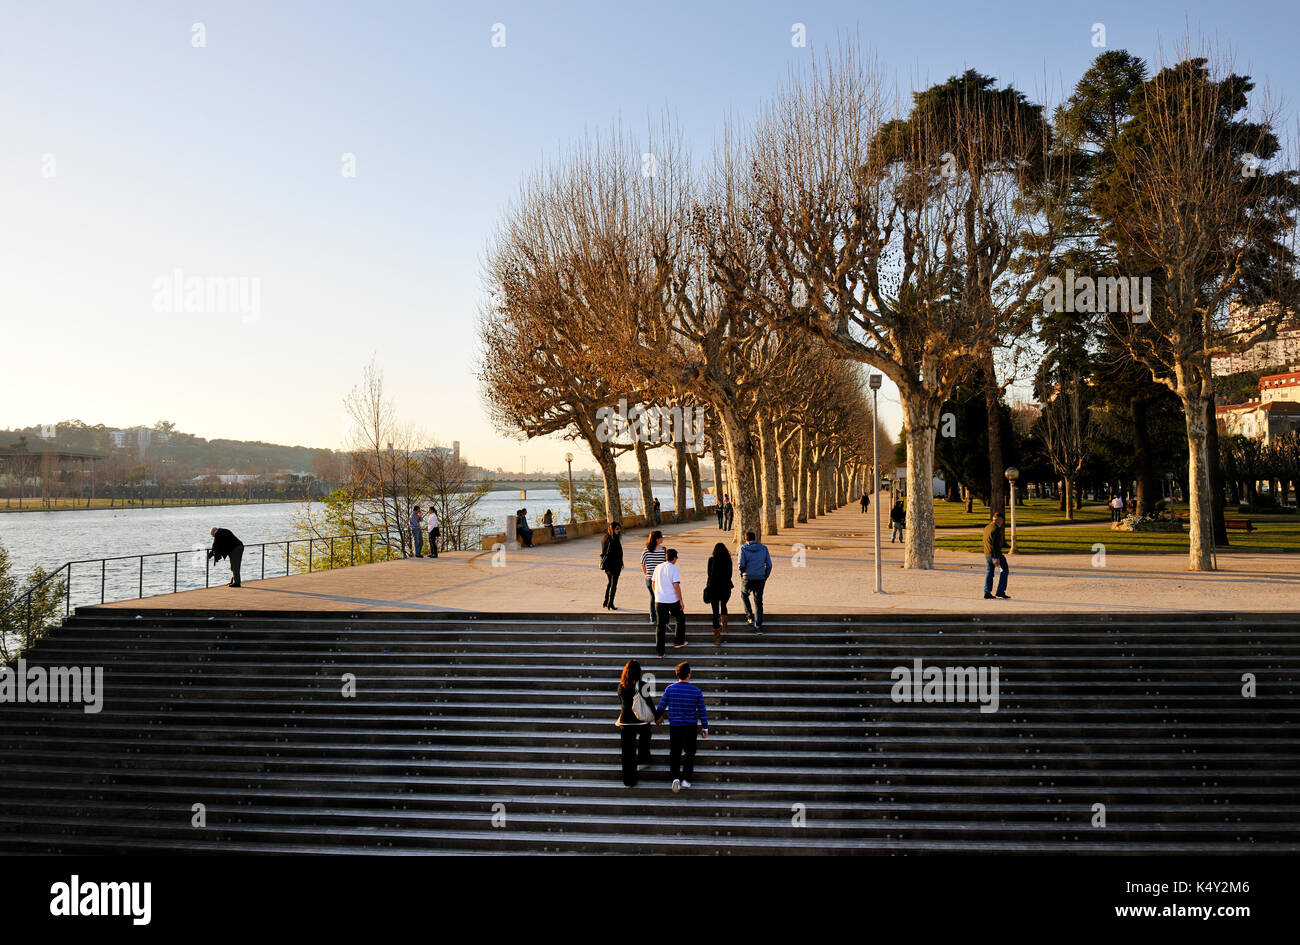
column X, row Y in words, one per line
column 836, row 577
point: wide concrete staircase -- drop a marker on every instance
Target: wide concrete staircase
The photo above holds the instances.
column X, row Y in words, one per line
column 480, row 733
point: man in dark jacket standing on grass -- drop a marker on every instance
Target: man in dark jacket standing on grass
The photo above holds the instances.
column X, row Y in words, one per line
column 226, row 545
column 994, row 542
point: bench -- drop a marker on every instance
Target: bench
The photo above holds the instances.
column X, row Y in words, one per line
column 1238, row 524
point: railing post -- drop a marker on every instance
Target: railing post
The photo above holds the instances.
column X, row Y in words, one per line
column 331, row 554
column 372, row 547
column 67, row 607
column 207, row 570
column 263, row 547
column 286, row 557
column 175, row 577
column 103, row 569
column 310, row 543
column 141, row 594
column 27, row 633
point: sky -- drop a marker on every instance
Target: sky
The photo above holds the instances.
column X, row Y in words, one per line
column 338, row 168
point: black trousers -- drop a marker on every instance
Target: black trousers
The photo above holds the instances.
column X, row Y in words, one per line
column 433, row 541
column 748, row 587
column 650, row 586
column 611, row 587
column 719, row 514
column 236, row 558
column 681, row 750
column 635, row 742
column 719, row 608
column 661, row 628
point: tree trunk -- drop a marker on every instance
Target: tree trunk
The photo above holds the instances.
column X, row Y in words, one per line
column 922, row 424
column 719, row 485
column 767, row 443
column 679, row 499
column 697, row 485
column 1148, row 485
column 970, row 500
column 786, row 455
column 1200, row 507
column 1216, row 475
column 806, row 511
column 1070, row 502
column 992, row 403
column 643, row 476
column 740, row 455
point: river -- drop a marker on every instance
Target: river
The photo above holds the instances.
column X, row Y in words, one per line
column 49, row 539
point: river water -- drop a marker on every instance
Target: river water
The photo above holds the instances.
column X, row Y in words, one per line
column 50, row 539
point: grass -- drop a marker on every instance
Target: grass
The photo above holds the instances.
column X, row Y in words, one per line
column 1271, row 533
column 1033, row 512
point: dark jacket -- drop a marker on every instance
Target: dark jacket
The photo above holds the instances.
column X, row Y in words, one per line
column 898, row 514
column 719, row 584
column 611, row 554
column 625, row 715
column 755, row 561
column 994, row 540
column 223, row 543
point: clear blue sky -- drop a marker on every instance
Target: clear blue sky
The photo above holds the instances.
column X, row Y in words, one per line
column 225, row 160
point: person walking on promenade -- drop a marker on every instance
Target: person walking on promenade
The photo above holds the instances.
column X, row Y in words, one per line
column 417, row 531
column 866, row 503
column 720, row 511
column 435, row 530
column 897, row 520
column 522, row 530
column 1116, row 508
column 729, row 513
column 226, row 545
column 651, row 558
column 611, row 562
column 755, row 566
column 717, row 589
column 634, row 721
column 687, row 717
column 994, row 542
column 658, row 517
column 668, row 602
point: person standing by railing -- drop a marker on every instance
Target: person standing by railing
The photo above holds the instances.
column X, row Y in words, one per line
column 435, row 529
column 417, row 531
column 226, row 545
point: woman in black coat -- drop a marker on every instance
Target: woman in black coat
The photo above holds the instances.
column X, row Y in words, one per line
column 634, row 732
column 611, row 562
column 717, row 589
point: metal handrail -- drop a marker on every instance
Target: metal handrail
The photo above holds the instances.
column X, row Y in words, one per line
column 25, row 598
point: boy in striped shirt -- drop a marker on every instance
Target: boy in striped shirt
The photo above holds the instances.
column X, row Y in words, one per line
column 684, row 706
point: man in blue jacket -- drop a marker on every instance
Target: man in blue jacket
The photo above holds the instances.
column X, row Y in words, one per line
column 684, row 705
column 755, row 566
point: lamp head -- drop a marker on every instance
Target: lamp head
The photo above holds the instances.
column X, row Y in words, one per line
column 1012, row 474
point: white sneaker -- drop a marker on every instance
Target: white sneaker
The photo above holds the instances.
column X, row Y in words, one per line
column 677, row 784
column 686, row 784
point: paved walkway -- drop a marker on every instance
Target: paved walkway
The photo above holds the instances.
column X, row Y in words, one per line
column 836, row 576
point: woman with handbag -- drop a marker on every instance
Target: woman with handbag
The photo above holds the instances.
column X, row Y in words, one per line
column 611, row 562
column 717, row 589
column 635, row 721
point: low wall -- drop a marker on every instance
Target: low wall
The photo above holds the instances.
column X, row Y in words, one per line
column 542, row 536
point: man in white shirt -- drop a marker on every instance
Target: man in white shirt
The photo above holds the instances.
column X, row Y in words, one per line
column 668, row 600
column 1116, row 508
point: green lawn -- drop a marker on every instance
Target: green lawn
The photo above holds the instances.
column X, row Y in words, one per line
column 1272, row 533
column 1034, row 512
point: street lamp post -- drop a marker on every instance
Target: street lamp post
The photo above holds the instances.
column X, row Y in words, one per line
column 1012, row 475
column 874, row 381
column 568, row 458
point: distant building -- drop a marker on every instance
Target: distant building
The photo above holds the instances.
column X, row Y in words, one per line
column 1276, row 412
column 1280, row 352
column 141, row 436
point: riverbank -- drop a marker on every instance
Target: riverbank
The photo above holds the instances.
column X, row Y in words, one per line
column 36, row 504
